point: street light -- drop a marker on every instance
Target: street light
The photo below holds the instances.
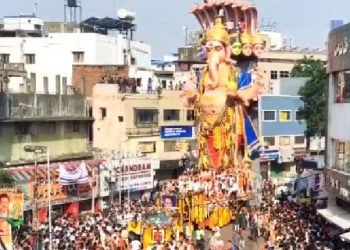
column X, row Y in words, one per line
column 42, row 150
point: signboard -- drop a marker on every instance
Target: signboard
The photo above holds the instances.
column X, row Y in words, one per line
column 339, row 49
column 11, row 206
column 182, row 146
column 134, row 174
column 177, row 132
column 147, row 147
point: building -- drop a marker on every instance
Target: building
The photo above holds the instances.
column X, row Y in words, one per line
column 338, row 136
column 63, row 125
column 155, row 124
column 72, row 61
column 282, row 132
column 279, row 58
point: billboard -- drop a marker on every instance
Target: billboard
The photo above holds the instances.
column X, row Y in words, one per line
column 177, row 132
column 11, row 206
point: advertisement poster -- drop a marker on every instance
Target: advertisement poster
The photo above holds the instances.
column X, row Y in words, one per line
column 11, row 206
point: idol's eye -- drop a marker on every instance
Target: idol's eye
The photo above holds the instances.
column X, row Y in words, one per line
column 218, row 48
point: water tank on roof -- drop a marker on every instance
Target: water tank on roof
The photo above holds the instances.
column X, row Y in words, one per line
column 126, row 14
column 72, row 3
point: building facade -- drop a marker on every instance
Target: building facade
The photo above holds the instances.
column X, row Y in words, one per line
column 338, row 136
column 282, row 131
column 156, row 125
column 52, row 61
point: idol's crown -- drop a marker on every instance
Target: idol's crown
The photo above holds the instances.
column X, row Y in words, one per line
column 218, row 32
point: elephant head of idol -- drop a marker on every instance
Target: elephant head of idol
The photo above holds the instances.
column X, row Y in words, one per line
column 218, row 48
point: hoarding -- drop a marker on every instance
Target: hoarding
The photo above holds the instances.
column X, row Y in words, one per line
column 177, row 132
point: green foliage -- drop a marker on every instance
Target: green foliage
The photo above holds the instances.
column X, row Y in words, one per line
column 6, row 179
column 313, row 94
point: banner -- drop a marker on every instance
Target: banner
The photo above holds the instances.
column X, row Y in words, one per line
column 134, row 174
column 11, row 207
column 177, row 132
column 73, row 174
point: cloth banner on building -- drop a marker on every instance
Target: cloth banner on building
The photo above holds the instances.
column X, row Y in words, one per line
column 73, row 174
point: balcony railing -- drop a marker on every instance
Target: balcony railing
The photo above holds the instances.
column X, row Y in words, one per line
column 142, row 131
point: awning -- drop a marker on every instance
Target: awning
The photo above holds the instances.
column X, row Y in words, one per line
column 337, row 216
column 24, row 174
column 345, row 237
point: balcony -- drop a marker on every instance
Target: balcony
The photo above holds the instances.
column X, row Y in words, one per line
column 150, row 131
column 19, row 106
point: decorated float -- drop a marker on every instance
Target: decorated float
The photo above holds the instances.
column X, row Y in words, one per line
column 226, row 87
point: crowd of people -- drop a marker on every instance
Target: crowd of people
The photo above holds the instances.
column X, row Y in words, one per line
column 278, row 224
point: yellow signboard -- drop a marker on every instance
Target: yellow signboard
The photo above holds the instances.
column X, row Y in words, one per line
column 147, row 147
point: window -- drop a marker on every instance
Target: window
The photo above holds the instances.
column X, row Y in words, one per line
column 191, row 115
column 30, row 58
column 342, row 159
column 343, row 87
column 78, row 56
column 284, row 140
column 269, row 141
column 103, row 113
column 300, row 139
column 120, row 118
column 284, row 74
column 48, row 128
column 285, row 116
column 273, row 74
column 22, row 128
column 146, row 117
column 5, row 58
column 171, row 115
column 169, row 146
column 77, row 127
column 298, row 116
column 192, row 144
column 269, row 116
column 46, row 85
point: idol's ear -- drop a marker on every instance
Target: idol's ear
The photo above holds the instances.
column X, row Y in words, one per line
column 228, row 53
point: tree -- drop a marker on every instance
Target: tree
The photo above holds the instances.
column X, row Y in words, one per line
column 6, row 179
column 313, row 94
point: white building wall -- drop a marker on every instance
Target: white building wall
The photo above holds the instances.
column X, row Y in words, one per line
column 54, row 54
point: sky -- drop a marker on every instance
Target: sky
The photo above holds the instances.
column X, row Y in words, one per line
column 161, row 22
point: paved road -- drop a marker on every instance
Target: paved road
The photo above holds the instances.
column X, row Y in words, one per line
column 227, row 233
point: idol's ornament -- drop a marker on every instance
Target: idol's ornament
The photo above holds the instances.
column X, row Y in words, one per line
column 228, row 85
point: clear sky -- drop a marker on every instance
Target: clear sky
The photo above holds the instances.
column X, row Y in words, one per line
column 160, row 22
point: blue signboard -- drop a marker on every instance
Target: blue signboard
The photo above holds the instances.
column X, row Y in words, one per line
column 176, row 132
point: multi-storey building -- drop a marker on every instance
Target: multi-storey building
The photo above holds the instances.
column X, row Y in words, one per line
column 154, row 124
column 338, row 134
column 282, row 131
column 61, row 124
column 72, row 61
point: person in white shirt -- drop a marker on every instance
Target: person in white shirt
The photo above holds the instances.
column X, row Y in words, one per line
column 135, row 245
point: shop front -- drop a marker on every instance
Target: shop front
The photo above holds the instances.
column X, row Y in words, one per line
column 269, row 162
column 65, row 197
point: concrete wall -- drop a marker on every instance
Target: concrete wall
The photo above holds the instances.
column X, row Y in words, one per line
column 62, row 140
column 18, row 106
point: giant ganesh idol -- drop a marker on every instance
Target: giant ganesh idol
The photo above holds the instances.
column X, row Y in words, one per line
column 222, row 94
